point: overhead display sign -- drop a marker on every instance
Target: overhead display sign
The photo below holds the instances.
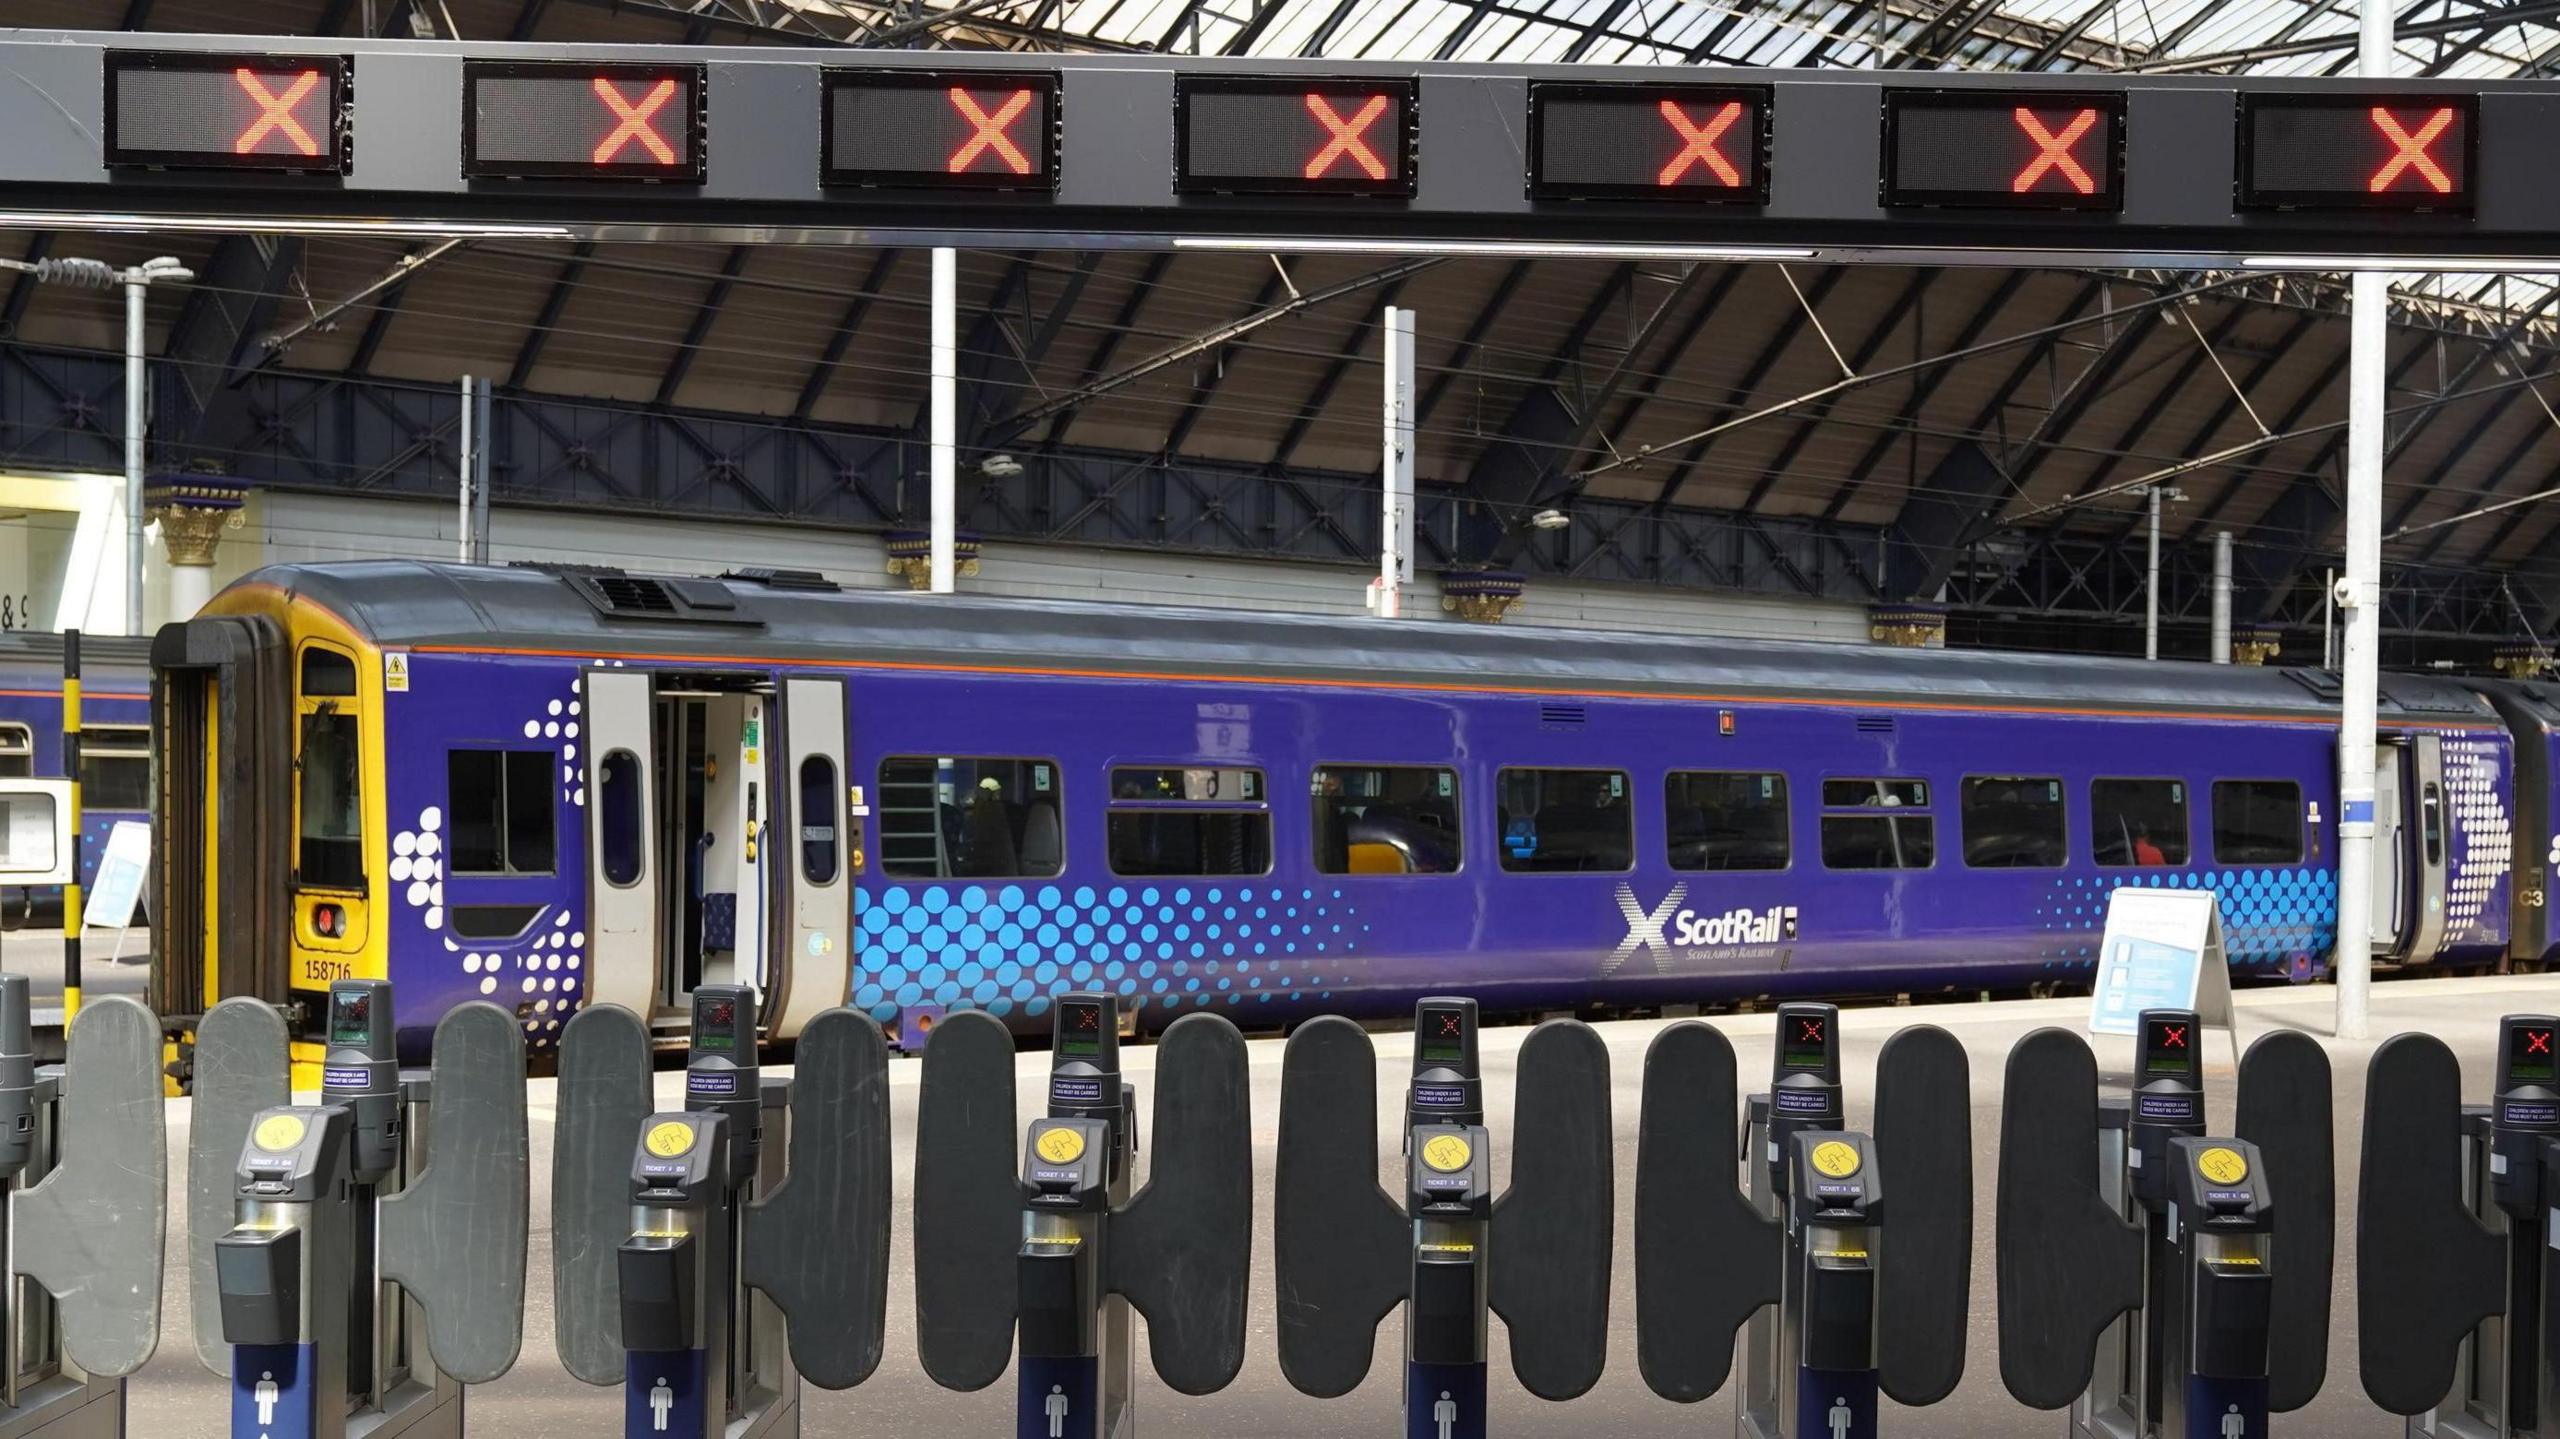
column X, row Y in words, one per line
column 569, row 121
column 2357, row 152
column 2010, row 150
column 286, row 115
column 935, row 129
column 1291, row 135
column 1649, row 142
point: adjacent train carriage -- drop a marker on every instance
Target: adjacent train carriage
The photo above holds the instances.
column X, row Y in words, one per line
column 551, row 787
column 115, row 739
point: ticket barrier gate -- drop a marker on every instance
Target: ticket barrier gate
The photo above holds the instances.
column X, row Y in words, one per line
column 1052, row 1252
column 2457, row 1279
column 2157, row 1279
column 711, row 1258
column 1847, row 1256
column 1539, row 1255
column 84, row 1215
column 357, row 1262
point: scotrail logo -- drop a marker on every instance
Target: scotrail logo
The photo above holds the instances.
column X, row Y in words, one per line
column 1668, row 927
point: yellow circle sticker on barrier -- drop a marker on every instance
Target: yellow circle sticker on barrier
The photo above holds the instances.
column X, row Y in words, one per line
column 1835, row 1160
column 1448, row 1154
column 1060, row 1146
column 671, row 1139
column 280, row 1132
column 2222, row 1166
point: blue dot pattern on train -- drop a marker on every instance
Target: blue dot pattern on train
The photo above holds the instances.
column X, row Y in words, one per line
column 2271, row 918
column 1166, row 946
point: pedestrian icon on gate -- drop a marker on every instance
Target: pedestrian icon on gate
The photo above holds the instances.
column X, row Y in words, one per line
column 2233, row 1426
column 661, row 1400
column 1446, row 1412
column 266, row 1393
column 1841, row 1418
column 1057, row 1412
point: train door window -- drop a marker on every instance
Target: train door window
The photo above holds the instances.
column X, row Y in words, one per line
column 1726, row 821
column 499, row 807
column 1189, row 822
column 17, row 751
column 2258, row 821
column 329, row 848
column 1385, row 819
column 2138, row 822
column 115, row 767
column 2431, row 814
column 818, row 806
column 1566, row 821
column 2014, row 822
column 946, row 817
column 1861, row 835
column 618, row 827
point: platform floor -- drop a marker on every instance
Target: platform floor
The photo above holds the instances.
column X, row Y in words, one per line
column 176, row 1399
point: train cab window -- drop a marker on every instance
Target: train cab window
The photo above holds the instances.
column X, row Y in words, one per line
column 1189, row 822
column 2257, row 821
column 115, row 767
column 17, row 751
column 499, row 806
column 1566, row 821
column 1862, row 836
column 326, row 674
column 2014, row 822
column 2138, row 822
column 1726, row 821
column 818, row 807
column 946, row 817
column 331, row 849
column 1385, row 819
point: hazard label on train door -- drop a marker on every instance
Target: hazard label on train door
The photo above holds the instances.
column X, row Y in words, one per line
column 395, row 673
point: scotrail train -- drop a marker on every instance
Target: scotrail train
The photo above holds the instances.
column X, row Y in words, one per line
column 115, row 740
column 555, row 787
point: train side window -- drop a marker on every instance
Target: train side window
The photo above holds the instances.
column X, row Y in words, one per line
column 2014, row 822
column 1566, row 821
column 1386, row 819
column 1183, row 822
column 327, row 674
column 2140, row 822
column 1872, row 840
column 618, row 818
column 1726, row 821
column 17, row 751
column 2259, row 821
column 115, row 767
column 964, row 817
column 818, row 819
column 498, row 806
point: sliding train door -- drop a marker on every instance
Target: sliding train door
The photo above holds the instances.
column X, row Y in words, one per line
column 2394, row 849
column 623, row 870
column 2430, row 836
column 810, row 820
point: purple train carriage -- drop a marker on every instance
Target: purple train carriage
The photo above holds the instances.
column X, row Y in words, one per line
column 553, row 786
column 115, row 749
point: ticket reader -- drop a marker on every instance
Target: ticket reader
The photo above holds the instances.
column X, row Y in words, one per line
column 710, row 1258
column 365, row 1255
column 2455, row 1269
column 2158, row 1277
column 1444, row 1244
column 84, row 1214
column 1840, row 1292
column 1050, row 1255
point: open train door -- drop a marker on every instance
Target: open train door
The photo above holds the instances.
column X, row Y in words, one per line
column 623, row 875
column 2394, row 849
column 818, row 950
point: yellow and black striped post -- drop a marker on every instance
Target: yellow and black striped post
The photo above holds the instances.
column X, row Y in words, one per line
column 74, row 911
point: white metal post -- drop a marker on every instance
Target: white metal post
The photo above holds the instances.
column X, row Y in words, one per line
column 2222, row 597
column 2151, row 586
column 945, row 458
column 1395, row 549
column 137, row 288
column 2361, row 596
column 466, row 468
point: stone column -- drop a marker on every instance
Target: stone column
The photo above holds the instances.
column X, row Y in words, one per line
column 193, row 511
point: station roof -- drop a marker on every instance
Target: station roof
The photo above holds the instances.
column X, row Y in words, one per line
column 1803, row 391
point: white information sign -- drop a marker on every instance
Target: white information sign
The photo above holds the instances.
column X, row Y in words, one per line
column 2163, row 950
column 117, row 887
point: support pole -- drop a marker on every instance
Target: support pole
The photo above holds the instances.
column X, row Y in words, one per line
column 464, row 469
column 1395, row 548
column 946, row 420
column 486, row 441
column 137, row 287
column 2222, row 597
column 74, row 908
column 2151, row 585
column 2360, row 594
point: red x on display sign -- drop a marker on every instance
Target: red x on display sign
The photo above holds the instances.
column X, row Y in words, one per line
column 2008, row 149
column 942, row 129
column 2054, row 159
column 1282, row 135
column 2357, row 152
column 283, row 114
column 635, row 123
column 1648, row 142
column 582, row 122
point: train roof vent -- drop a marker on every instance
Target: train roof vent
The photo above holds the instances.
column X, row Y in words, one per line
column 1875, row 724
column 774, row 579
column 1563, row 716
column 2420, row 697
column 2320, row 682
column 642, row 597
